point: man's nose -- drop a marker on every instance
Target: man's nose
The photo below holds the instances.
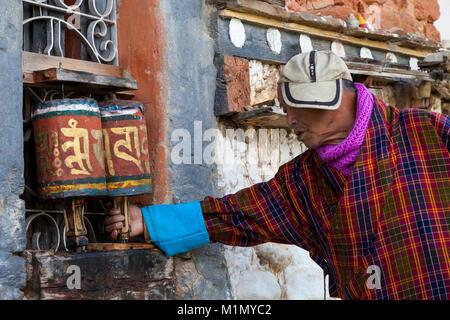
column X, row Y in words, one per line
column 290, row 120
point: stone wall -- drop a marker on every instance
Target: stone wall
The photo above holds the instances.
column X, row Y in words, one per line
column 188, row 91
column 415, row 16
column 12, row 217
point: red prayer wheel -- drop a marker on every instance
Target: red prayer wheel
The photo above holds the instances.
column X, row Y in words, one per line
column 126, row 150
column 69, row 149
column 70, row 159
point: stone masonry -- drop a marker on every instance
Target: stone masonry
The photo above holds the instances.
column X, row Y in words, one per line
column 12, row 231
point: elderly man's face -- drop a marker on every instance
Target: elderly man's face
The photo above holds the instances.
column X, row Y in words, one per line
column 315, row 127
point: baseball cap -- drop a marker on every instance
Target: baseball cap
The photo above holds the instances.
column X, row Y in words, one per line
column 314, row 80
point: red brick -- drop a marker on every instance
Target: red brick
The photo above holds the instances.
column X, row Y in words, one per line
column 340, row 12
column 348, row 3
column 400, row 4
column 426, row 10
column 362, row 9
column 431, row 32
column 409, row 16
column 369, row 2
column 320, row 4
column 296, row 5
column 407, row 23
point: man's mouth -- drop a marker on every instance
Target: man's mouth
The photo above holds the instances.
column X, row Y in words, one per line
column 299, row 134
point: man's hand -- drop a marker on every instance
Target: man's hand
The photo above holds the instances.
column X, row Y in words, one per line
column 114, row 221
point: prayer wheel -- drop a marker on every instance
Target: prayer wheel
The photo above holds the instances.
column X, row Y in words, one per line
column 126, row 154
column 70, row 158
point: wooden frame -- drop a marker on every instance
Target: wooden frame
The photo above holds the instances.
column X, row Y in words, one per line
column 39, row 70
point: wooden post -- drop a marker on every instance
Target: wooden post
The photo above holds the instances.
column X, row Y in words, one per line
column 122, row 204
column 76, row 232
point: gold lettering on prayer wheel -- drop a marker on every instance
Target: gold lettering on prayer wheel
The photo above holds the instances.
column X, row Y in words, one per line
column 126, row 151
column 69, row 149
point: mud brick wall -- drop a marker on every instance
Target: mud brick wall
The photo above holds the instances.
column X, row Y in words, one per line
column 416, row 16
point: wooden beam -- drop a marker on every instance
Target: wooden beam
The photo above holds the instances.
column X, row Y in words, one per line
column 265, row 9
column 386, row 72
column 324, row 34
column 264, row 117
column 119, row 246
column 280, row 3
column 71, row 76
column 34, row 62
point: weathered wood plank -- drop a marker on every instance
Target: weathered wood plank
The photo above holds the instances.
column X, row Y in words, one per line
column 262, row 117
column 133, row 274
column 321, row 33
column 64, row 75
column 386, row 72
column 34, row 62
column 119, row 246
column 255, row 46
column 280, row 3
column 265, row 9
column 414, row 40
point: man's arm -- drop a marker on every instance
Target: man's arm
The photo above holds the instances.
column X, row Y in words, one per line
column 258, row 214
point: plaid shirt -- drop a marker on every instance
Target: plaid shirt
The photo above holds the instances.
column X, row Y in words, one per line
column 393, row 212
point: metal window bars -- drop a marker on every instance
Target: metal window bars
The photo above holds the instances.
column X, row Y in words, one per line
column 80, row 29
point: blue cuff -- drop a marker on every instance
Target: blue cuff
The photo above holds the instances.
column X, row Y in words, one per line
column 176, row 228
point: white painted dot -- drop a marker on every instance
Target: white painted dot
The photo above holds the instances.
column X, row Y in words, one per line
column 413, row 63
column 338, row 48
column 365, row 53
column 274, row 40
column 390, row 57
column 305, row 43
column 237, row 33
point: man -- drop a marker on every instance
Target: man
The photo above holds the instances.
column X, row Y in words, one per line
column 370, row 199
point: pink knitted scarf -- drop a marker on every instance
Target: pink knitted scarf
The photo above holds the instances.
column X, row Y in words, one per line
column 343, row 156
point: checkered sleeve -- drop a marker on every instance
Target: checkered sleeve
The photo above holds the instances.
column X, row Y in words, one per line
column 441, row 122
column 258, row 214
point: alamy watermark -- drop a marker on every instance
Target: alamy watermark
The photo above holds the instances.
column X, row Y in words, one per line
column 374, row 280
column 227, row 147
column 74, row 280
